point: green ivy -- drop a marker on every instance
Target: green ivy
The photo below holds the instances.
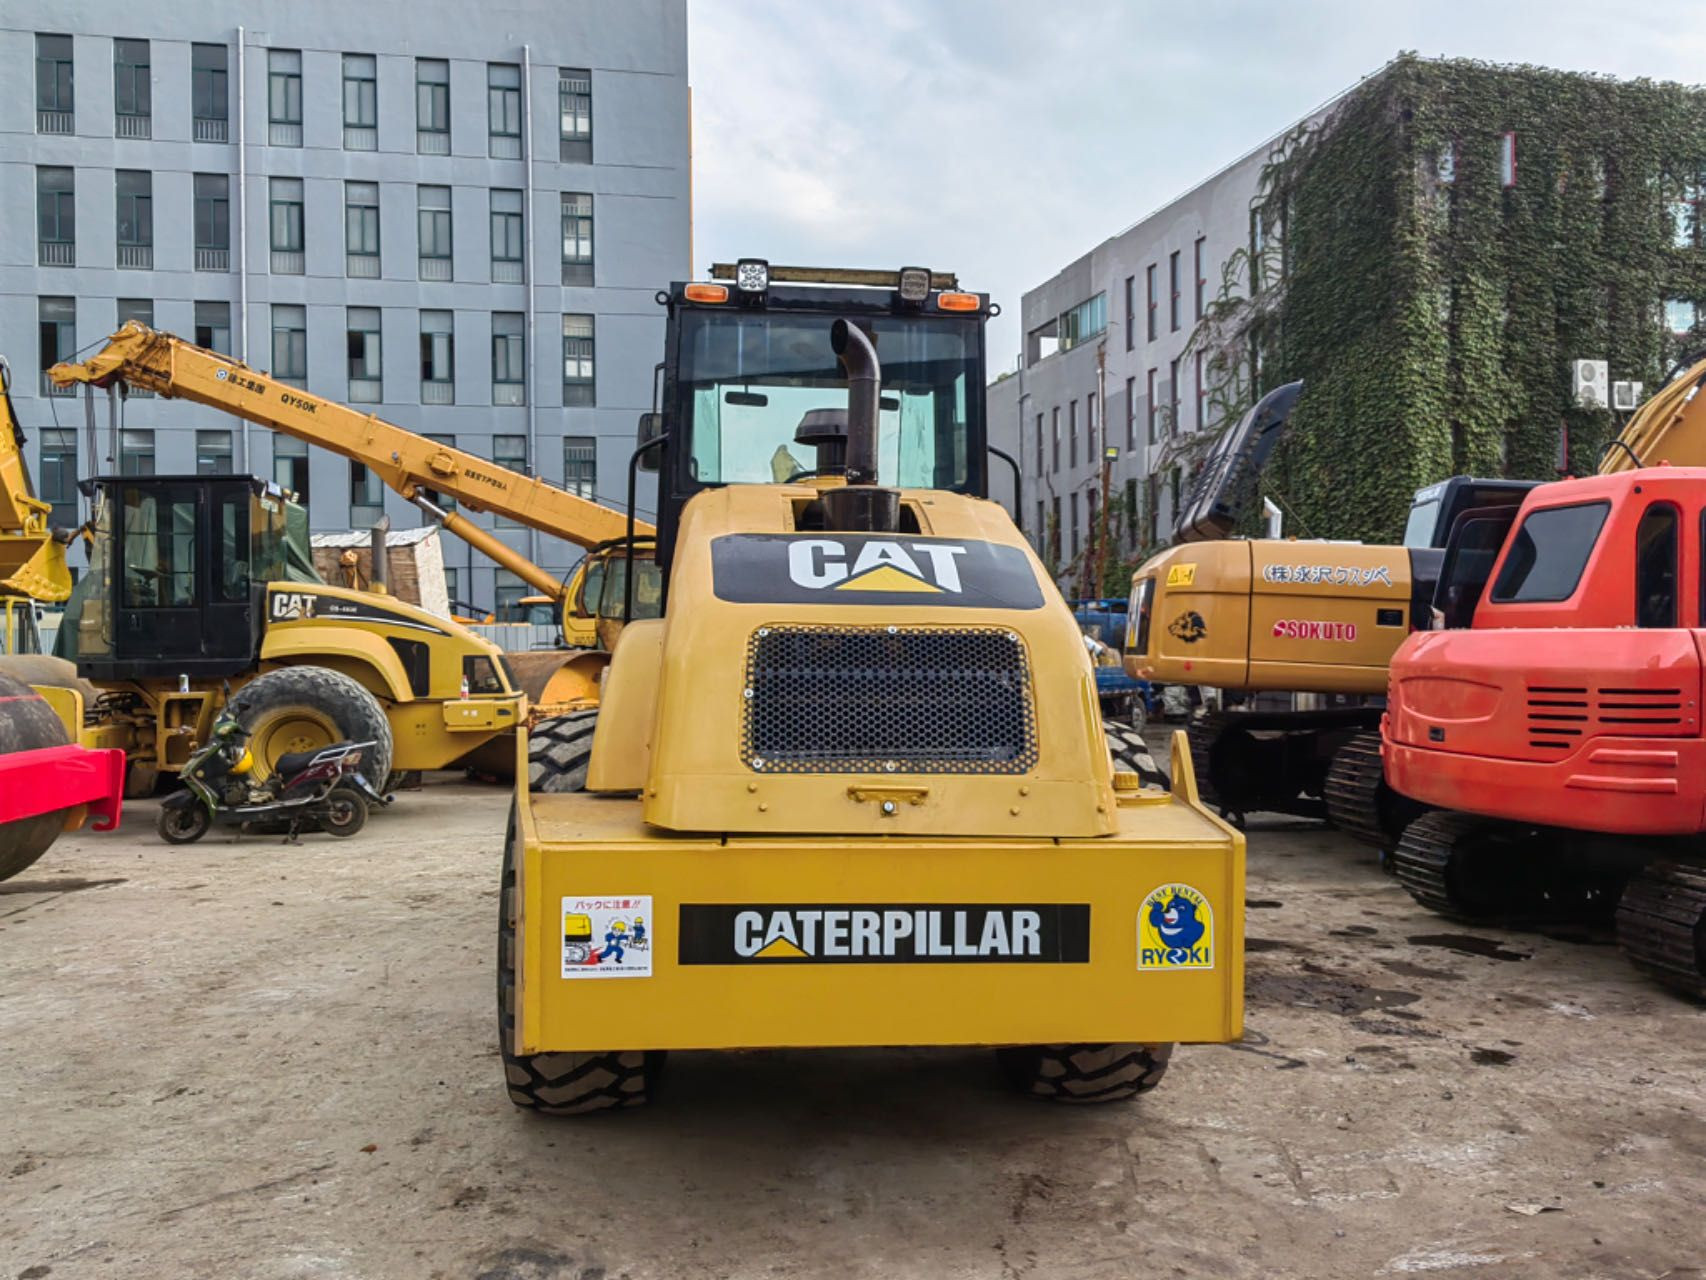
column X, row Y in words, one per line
column 1433, row 312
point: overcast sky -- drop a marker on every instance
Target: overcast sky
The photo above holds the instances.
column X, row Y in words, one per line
column 1003, row 138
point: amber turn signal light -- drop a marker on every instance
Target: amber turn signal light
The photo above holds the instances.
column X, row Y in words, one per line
column 706, row 293
column 956, row 302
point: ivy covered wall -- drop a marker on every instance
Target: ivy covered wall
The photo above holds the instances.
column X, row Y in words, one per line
column 1432, row 305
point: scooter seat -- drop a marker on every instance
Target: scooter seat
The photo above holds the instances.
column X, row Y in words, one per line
column 296, row 761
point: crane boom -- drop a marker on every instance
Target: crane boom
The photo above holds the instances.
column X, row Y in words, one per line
column 32, row 559
column 405, row 461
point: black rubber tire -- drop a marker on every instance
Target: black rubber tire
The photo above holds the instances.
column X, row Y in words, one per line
column 344, row 701
column 343, row 801
column 563, row 1084
column 1132, row 755
column 1661, row 925
column 27, row 723
column 183, row 824
column 559, row 750
column 140, row 781
column 1083, row 1073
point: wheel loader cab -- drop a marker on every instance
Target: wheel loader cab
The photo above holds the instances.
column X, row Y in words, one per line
column 179, row 567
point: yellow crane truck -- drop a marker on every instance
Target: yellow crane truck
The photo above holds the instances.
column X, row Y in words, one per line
column 32, row 555
column 423, row 471
column 852, row 786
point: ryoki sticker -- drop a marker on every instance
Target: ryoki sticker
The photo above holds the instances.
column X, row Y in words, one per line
column 1175, row 929
column 608, row 937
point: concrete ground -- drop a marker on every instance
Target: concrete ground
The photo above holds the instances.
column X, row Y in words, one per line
column 246, row 1059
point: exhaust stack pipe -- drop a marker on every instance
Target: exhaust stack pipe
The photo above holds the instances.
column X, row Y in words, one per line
column 861, row 506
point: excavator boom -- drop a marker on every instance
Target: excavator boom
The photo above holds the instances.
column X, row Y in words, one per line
column 1669, row 427
column 408, row 463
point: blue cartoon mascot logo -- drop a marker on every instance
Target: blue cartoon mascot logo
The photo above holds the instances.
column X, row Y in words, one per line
column 1177, row 930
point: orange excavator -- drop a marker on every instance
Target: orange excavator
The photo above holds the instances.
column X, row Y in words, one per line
column 1554, row 719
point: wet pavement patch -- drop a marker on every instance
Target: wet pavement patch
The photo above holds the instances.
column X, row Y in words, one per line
column 1353, row 931
column 1408, row 969
column 64, row 885
column 1491, row 1057
column 1263, row 904
column 1317, row 988
column 1469, row 945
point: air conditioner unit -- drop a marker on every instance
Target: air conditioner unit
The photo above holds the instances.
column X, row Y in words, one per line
column 1588, row 383
column 1626, row 396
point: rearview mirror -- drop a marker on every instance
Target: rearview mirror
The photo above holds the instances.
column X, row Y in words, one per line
column 651, row 427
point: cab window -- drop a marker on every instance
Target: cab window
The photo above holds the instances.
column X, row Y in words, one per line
column 1549, row 552
column 1137, row 623
column 1655, row 567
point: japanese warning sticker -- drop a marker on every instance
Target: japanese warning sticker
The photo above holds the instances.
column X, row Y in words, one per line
column 608, row 937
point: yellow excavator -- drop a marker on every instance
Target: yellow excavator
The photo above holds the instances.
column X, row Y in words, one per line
column 425, row 473
column 33, row 571
column 1301, row 631
column 852, row 786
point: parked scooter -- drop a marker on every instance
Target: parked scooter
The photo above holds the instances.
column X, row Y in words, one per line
column 307, row 789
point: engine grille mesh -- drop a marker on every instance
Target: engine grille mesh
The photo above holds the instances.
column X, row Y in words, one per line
column 888, row 700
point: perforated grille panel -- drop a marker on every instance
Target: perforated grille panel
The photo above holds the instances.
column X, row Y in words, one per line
column 888, row 700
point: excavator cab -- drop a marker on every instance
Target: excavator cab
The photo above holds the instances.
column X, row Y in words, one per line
column 177, row 573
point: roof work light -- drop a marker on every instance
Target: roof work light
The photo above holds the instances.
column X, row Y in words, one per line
column 752, row 275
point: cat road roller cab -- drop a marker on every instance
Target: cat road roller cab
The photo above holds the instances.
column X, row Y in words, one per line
column 852, row 787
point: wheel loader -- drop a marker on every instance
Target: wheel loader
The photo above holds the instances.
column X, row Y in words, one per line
column 852, row 786
column 195, row 597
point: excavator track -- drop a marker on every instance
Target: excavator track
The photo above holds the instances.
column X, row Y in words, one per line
column 1359, row 802
column 1484, row 871
column 1201, row 734
column 1661, row 925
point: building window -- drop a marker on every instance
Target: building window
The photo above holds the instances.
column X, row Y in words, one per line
column 503, row 110
column 1054, row 438
column 1173, row 480
column 59, row 475
column 57, row 331
column 1054, row 533
column 1090, row 454
column 1152, row 509
column 1681, row 315
column 285, row 196
column 133, row 90
column 1151, row 303
column 1173, row 290
column 1258, row 245
column 1039, row 444
column 1173, row 423
column 577, row 237
column 1130, row 414
column 284, row 97
column 1130, row 312
column 210, row 93
column 580, row 466
column 212, row 222
column 135, row 453
column 506, row 237
column 574, row 105
column 366, row 496
column 361, row 103
column 507, row 594
column 1202, row 394
column 579, row 383
column 510, row 453
column 290, row 344
column 1072, row 434
column 438, row 357
column 1084, row 322
column 433, row 218
column 135, row 218
column 1131, row 512
column 432, row 107
column 362, row 343
column 213, row 326
column 140, row 310
column 56, row 217
column 361, row 230
column 1507, row 160
column 1039, row 535
column 1150, row 406
column 290, row 465
column 509, row 358
column 213, row 453
column 453, row 592
column 1202, row 280
column 1072, row 500
column 55, row 110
